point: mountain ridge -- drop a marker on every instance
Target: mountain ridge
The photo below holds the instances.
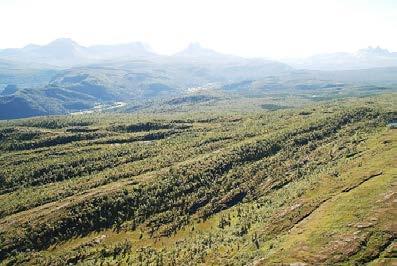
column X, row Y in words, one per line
column 370, row 57
column 65, row 52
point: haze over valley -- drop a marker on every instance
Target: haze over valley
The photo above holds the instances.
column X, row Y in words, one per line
column 64, row 77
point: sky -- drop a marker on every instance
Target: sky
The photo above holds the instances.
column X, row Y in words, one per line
column 251, row 28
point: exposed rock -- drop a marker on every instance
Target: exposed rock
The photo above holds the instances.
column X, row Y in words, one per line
column 364, row 225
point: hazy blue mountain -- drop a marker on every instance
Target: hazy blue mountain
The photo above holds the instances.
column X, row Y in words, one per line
column 81, row 88
column 60, row 52
column 371, row 57
column 65, row 52
column 5, row 64
column 9, row 89
column 139, row 83
column 375, row 52
column 85, row 77
column 121, row 51
column 25, row 75
column 196, row 52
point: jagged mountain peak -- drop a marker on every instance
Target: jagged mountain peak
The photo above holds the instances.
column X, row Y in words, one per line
column 63, row 41
column 195, row 49
column 373, row 51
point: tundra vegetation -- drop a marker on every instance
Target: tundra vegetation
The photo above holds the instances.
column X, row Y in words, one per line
column 313, row 184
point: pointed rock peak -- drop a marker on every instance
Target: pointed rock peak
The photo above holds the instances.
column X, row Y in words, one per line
column 196, row 50
column 63, row 42
column 377, row 51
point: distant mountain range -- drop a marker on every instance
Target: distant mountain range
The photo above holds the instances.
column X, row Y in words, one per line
column 63, row 76
column 371, row 57
column 67, row 53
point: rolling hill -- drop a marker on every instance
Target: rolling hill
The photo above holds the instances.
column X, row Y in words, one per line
column 146, row 77
column 313, row 185
column 198, row 158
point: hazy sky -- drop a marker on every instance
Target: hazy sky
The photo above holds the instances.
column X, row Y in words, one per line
column 270, row 28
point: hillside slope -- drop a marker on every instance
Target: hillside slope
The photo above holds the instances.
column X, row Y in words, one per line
column 312, row 185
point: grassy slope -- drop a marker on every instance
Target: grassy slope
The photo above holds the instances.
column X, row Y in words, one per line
column 296, row 211
column 336, row 231
column 355, row 224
